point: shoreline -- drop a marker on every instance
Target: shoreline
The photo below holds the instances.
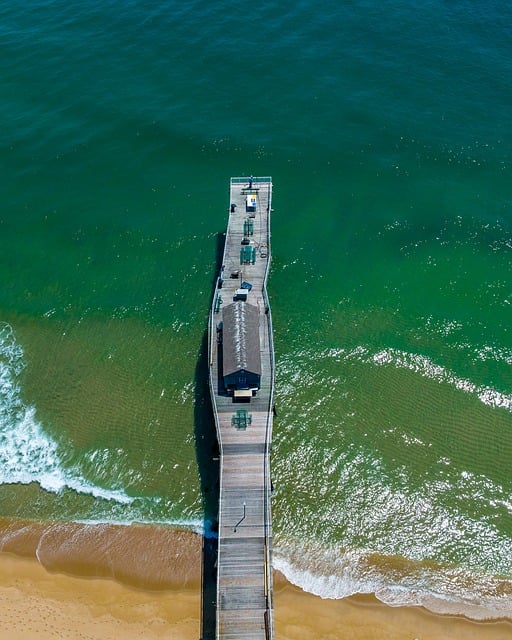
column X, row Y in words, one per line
column 120, row 579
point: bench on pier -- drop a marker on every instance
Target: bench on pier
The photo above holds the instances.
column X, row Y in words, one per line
column 241, row 419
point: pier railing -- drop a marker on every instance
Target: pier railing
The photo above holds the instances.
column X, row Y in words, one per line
column 260, row 183
column 268, row 435
column 255, row 179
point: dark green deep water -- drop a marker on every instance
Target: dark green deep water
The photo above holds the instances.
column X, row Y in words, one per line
column 387, row 130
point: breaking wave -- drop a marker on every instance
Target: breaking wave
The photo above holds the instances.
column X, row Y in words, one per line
column 339, row 573
column 409, row 536
column 424, row 366
column 27, row 453
column 362, row 516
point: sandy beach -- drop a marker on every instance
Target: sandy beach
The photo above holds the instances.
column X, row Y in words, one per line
column 66, row 601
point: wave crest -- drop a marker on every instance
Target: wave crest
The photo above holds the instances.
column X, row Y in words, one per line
column 336, row 573
column 27, row 453
column 424, row 366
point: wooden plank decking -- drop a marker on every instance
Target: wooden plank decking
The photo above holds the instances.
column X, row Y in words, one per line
column 244, row 574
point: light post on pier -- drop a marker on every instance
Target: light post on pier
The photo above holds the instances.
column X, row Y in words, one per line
column 241, row 520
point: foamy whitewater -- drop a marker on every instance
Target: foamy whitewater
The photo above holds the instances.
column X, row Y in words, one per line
column 390, row 283
column 424, row 366
column 335, row 573
column 412, row 530
column 27, row 454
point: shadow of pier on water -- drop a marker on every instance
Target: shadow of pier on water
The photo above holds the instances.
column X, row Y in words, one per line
column 207, row 454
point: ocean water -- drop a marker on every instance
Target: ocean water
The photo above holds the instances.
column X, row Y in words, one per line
column 386, row 128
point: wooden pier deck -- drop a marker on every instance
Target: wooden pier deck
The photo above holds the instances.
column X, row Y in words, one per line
column 244, row 428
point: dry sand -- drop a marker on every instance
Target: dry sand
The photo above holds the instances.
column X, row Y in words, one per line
column 37, row 603
column 302, row 616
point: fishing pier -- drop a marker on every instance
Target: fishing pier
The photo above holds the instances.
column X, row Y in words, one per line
column 241, row 376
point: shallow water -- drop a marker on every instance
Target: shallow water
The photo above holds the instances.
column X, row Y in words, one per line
column 386, row 130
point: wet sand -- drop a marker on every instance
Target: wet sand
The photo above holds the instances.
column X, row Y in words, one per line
column 37, row 604
column 302, row 616
column 150, row 588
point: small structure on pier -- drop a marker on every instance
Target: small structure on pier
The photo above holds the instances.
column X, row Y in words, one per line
column 241, row 366
column 241, row 357
column 251, row 202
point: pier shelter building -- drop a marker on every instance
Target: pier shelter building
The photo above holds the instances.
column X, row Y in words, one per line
column 241, row 348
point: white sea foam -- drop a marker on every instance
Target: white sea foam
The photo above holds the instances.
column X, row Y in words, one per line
column 451, row 519
column 27, row 453
column 402, row 527
column 324, row 574
column 195, row 525
column 337, row 573
column 426, row 367
column 414, row 535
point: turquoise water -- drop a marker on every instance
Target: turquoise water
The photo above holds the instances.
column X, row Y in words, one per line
column 386, row 128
